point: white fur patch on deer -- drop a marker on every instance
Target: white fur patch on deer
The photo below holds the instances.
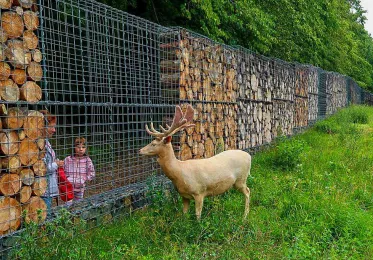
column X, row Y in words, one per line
column 198, row 178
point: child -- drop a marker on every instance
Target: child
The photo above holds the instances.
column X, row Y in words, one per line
column 79, row 168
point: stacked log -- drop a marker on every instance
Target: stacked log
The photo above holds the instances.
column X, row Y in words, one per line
column 20, row 58
column 23, row 170
column 313, row 93
column 283, row 99
column 22, row 178
column 301, row 97
column 205, row 73
column 255, row 75
column 368, row 98
column 336, row 92
column 355, row 92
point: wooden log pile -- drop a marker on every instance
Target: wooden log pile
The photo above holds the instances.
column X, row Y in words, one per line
column 355, row 92
column 283, row 99
column 254, row 75
column 301, row 97
column 313, row 93
column 205, row 73
column 22, row 177
column 368, row 98
column 336, row 92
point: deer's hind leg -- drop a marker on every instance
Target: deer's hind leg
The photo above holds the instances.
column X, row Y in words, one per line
column 186, row 203
column 242, row 187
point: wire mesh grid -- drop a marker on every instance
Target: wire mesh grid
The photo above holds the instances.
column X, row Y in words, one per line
column 104, row 74
column 102, row 82
column 98, row 76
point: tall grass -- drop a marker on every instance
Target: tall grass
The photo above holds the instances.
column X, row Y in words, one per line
column 312, row 198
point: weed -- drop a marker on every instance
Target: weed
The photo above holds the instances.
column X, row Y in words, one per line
column 288, row 154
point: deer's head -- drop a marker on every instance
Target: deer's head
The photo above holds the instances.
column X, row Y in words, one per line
column 163, row 138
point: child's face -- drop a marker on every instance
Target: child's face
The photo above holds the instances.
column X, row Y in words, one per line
column 80, row 150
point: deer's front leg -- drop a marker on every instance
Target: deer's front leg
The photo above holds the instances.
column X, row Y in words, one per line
column 199, row 205
column 186, row 203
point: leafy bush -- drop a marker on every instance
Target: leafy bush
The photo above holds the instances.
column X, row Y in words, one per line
column 358, row 115
column 327, row 126
column 288, row 154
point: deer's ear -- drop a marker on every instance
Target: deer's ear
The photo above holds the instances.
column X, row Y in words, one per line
column 167, row 139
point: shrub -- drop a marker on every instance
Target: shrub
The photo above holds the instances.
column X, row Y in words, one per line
column 358, row 115
column 288, row 154
column 327, row 126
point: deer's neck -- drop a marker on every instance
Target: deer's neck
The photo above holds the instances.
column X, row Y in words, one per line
column 170, row 164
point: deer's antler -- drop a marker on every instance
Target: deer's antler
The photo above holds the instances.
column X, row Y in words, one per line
column 179, row 122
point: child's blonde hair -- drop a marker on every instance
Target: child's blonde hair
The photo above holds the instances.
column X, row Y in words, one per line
column 80, row 141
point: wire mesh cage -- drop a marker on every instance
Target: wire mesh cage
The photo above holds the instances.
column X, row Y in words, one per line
column 80, row 80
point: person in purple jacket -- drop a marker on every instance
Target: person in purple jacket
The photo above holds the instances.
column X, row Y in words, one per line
column 79, row 168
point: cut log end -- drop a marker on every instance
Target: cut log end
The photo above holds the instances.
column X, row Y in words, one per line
column 33, row 124
column 28, row 152
column 9, row 142
column 9, row 91
column 36, row 210
column 39, row 187
column 10, row 184
column 12, row 24
column 10, row 214
column 30, row 92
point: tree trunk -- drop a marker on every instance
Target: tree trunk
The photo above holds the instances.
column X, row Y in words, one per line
column 26, row 176
column 9, row 142
column 4, row 71
column 9, row 90
column 30, row 92
column 14, row 119
column 24, row 194
column 39, row 187
column 31, row 20
column 30, row 39
column 33, row 124
column 10, row 214
column 39, row 168
column 10, row 184
column 11, row 163
column 32, row 207
column 19, row 76
column 12, row 24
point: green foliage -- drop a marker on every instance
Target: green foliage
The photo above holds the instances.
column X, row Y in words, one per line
column 45, row 241
column 358, row 115
column 319, row 209
column 325, row 33
column 327, row 126
column 287, row 154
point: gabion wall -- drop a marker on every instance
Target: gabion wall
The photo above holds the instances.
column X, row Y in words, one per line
column 105, row 74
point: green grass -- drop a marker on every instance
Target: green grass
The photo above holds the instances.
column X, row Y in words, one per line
column 312, row 198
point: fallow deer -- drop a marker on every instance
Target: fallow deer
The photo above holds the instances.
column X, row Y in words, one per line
column 198, row 178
